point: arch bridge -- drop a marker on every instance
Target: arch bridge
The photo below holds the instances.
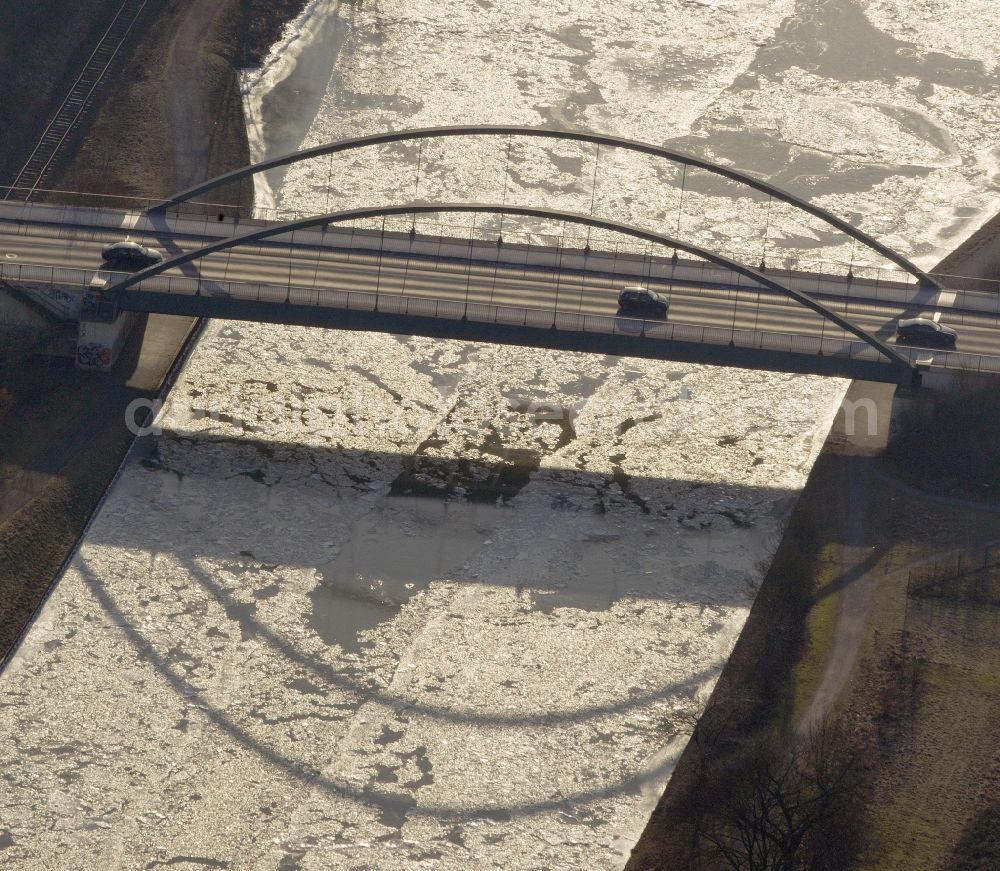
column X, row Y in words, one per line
column 451, row 310
column 317, row 270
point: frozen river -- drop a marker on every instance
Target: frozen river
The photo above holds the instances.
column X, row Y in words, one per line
column 385, row 603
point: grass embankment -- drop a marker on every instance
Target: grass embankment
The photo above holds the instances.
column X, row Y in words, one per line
column 756, row 697
column 820, row 628
column 935, row 627
column 922, row 703
column 59, row 453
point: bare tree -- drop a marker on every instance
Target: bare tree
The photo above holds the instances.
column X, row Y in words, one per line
column 787, row 804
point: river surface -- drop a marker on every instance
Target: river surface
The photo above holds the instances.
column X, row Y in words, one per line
column 378, row 602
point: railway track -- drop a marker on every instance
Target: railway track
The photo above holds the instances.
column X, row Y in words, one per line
column 80, row 98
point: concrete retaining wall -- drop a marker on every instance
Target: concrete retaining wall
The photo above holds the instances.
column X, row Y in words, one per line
column 975, row 264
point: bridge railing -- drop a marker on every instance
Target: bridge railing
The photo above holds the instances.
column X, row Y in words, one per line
column 59, row 289
column 859, row 297
column 456, row 310
column 390, row 303
column 511, row 315
column 78, row 282
column 460, row 242
column 953, row 360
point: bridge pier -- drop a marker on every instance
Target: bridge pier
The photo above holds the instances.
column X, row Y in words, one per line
column 100, row 341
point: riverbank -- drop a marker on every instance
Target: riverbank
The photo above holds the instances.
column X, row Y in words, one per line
column 756, row 692
column 975, row 264
column 64, row 432
column 880, row 614
column 180, row 97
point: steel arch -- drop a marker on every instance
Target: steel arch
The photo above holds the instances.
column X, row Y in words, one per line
column 572, row 135
column 524, row 211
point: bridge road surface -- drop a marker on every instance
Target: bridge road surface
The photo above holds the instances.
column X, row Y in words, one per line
column 277, row 263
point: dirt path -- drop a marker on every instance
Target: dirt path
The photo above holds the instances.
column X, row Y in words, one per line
column 854, row 585
column 189, row 119
column 858, row 579
column 937, row 498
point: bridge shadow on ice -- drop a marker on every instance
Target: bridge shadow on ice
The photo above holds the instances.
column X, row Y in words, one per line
column 380, row 525
column 379, row 528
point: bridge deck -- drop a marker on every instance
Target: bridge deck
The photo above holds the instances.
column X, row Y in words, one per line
column 516, row 298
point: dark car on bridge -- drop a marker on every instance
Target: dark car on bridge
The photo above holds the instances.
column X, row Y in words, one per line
column 130, row 255
column 924, row 331
column 641, row 302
